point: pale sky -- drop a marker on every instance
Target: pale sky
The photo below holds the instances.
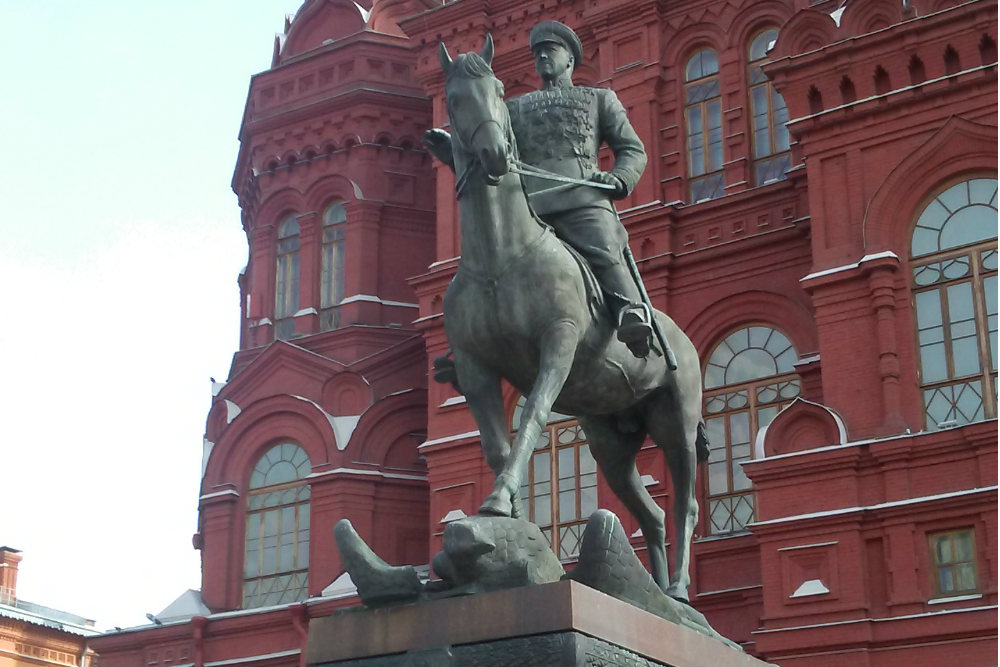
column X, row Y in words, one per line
column 120, row 249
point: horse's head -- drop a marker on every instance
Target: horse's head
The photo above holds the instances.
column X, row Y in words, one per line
column 480, row 124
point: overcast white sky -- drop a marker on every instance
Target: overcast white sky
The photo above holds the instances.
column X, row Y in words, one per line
column 120, row 247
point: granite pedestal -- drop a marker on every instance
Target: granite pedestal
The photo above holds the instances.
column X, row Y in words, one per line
column 563, row 623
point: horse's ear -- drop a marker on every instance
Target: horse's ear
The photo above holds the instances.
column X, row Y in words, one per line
column 444, row 57
column 487, row 52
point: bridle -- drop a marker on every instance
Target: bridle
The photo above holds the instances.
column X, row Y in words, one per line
column 465, row 144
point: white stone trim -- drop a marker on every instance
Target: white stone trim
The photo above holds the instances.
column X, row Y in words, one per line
column 864, row 508
column 809, row 546
column 758, row 443
column 254, row 658
column 217, row 494
column 374, row 299
column 874, row 620
column 449, row 438
column 848, row 267
column 956, row 598
column 358, row 471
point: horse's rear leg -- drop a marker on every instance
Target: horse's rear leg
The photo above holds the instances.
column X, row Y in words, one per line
column 484, row 396
column 615, row 454
column 675, row 433
column 556, row 351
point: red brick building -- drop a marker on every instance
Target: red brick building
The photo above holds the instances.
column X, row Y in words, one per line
column 819, row 214
column 33, row 635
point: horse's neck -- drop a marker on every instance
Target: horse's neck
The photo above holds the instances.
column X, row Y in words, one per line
column 497, row 225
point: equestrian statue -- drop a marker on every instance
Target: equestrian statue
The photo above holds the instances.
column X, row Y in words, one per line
column 547, row 296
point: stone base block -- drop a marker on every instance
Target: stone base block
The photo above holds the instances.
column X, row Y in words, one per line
column 564, row 623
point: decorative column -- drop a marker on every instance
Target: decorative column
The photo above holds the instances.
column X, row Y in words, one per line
column 881, row 281
column 260, row 310
column 220, row 567
column 361, row 263
column 307, row 316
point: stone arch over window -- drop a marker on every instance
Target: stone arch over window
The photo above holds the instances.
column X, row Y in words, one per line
column 559, row 489
column 768, row 114
column 286, row 278
column 749, row 377
column 276, row 553
column 332, row 264
column 703, row 126
column 959, row 147
column 953, row 264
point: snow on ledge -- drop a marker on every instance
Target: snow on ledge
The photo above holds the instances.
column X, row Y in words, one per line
column 453, row 515
column 810, row 587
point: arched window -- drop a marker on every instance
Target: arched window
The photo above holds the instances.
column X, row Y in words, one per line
column 768, row 115
column 286, row 280
column 559, row 488
column 954, row 263
column 749, row 377
column 276, row 566
column 332, row 285
column 703, row 117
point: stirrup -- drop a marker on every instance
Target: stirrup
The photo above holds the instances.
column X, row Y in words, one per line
column 634, row 329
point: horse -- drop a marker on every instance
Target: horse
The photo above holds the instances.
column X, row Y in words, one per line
column 522, row 308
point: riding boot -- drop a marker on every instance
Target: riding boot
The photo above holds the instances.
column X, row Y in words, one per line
column 634, row 329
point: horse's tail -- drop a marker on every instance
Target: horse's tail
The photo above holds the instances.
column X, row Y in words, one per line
column 701, row 443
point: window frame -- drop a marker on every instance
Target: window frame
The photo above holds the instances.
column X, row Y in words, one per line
column 751, row 387
column 302, row 504
column 332, row 277
column 773, row 156
column 287, row 277
column 707, row 177
column 937, row 593
column 976, row 278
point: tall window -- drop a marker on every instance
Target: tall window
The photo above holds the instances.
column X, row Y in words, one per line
column 954, row 557
column 332, row 285
column 276, row 567
column 748, row 378
column 286, row 282
column 559, row 489
column 768, row 115
column 703, row 116
column 954, row 264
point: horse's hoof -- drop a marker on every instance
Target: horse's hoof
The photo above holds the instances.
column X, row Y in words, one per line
column 516, row 508
column 496, row 506
column 678, row 594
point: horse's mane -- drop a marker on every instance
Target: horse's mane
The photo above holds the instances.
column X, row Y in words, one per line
column 470, row 66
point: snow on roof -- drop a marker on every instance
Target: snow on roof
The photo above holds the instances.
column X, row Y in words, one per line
column 37, row 614
column 188, row 605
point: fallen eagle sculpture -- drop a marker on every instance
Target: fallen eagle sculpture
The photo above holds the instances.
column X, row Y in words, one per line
column 485, row 553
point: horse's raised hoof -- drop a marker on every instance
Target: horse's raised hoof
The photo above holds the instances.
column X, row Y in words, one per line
column 496, row 505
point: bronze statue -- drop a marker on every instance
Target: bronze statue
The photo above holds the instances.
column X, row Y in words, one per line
column 524, row 306
column 559, row 130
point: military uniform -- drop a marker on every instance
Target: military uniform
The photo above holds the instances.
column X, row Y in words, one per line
column 560, row 130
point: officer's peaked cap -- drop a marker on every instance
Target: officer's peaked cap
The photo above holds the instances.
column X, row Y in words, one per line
column 560, row 33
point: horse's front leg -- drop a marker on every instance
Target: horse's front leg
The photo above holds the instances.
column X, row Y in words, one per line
column 484, row 396
column 556, row 351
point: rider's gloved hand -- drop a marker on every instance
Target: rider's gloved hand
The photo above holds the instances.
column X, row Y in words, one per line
column 608, row 178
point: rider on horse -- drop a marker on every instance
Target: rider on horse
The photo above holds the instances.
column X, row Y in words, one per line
column 559, row 129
